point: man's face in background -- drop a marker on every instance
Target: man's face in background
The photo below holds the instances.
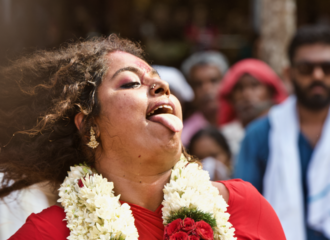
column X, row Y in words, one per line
column 205, row 80
column 250, row 98
column 310, row 75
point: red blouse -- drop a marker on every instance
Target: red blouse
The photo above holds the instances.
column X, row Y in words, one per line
column 251, row 216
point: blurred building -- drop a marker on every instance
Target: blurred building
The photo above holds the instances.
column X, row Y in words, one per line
column 169, row 30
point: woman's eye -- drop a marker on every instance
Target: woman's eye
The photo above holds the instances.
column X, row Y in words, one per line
column 131, row 85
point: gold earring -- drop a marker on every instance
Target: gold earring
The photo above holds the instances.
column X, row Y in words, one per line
column 92, row 143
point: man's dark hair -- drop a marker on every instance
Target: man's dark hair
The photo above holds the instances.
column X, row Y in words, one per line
column 309, row 34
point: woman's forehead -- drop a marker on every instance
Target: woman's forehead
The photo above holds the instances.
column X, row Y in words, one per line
column 119, row 59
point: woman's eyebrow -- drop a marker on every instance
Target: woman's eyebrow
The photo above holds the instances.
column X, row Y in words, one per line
column 154, row 72
column 134, row 70
column 130, row 69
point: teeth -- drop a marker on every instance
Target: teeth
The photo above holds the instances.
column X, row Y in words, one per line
column 163, row 106
column 169, row 107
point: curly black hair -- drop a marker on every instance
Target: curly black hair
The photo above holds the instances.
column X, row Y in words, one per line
column 39, row 98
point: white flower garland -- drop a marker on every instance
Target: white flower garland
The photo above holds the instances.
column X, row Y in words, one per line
column 94, row 212
column 190, row 187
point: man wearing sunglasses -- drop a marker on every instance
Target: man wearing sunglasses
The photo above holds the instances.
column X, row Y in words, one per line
column 286, row 155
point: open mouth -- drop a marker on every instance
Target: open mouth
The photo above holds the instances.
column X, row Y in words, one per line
column 164, row 115
column 162, row 109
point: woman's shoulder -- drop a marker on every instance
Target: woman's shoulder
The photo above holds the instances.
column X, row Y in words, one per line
column 53, row 216
column 48, row 224
column 250, row 212
column 51, row 212
column 229, row 189
column 241, row 195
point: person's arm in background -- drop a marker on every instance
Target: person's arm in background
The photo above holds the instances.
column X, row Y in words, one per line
column 251, row 161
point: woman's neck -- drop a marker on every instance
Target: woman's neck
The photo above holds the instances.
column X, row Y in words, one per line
column 145, row 191
column 135, row 184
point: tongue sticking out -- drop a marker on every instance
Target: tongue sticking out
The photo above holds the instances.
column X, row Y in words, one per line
column 170, row 121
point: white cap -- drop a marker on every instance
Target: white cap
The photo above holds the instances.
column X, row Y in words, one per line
column 176, row 81
column 206, row 57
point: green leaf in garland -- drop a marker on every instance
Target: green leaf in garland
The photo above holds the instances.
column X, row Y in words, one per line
column 194, row 214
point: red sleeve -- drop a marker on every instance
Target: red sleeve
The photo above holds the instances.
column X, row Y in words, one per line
column 251, row 215
column 28, row 231
column 47, row 225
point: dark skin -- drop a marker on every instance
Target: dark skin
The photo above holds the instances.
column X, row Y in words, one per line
column 247, row 95
column 311, row 120
column 205, row 80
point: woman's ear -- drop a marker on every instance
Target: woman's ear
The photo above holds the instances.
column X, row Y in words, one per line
column 78, row 119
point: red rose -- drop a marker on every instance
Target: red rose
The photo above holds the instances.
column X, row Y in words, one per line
column 188, row 225
column 179, row 236
column 173, row 227
column 166, row 237
column 193, row 232
column 204, row 230
column 193, row 237
column 80, row 183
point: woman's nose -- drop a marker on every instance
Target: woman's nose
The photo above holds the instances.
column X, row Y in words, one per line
column 159, row 87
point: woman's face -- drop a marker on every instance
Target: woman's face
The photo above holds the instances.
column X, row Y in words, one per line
column 206, row 146
column 140, row 122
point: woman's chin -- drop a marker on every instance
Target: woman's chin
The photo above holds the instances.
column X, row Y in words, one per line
column 166, row 156
column 172, row 147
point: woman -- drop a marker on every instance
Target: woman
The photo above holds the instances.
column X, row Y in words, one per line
column 99, row 103
column 209, row 145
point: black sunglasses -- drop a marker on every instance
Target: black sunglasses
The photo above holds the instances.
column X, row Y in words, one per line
column 307, row 68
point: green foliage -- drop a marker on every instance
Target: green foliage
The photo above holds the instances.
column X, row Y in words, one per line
column 192, row 213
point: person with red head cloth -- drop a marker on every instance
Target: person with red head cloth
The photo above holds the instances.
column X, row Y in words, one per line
column 248, row 90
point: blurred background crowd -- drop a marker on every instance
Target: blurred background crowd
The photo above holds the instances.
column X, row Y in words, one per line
column 229, row 63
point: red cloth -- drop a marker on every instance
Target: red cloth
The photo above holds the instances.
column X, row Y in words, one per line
column 251, row 215
column 259, row 70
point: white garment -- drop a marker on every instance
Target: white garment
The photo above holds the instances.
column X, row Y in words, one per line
column 213, row 166
column 234, row 134
column 282, row 181
column 15, row 208
column 176, row 81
